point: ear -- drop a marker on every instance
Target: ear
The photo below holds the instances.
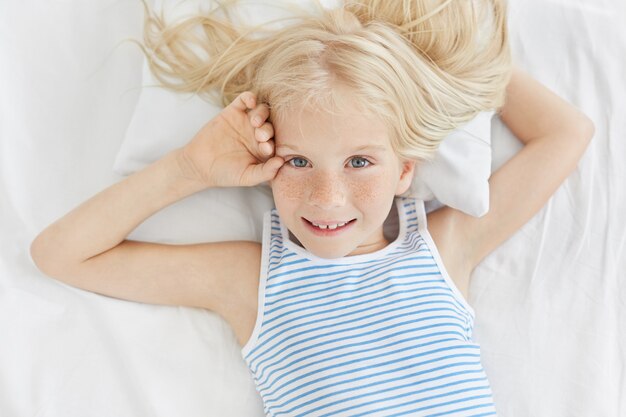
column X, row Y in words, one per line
column 406, row 176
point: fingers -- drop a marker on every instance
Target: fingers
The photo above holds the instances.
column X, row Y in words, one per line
column 244, row 101
column 265, row 171
column 259, row 115
column 264, row 131
column 266, row 148
column 270, row 168
column 264, row 135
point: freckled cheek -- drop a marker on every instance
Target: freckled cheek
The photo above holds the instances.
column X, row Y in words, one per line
column 365, row 190
column 285, row 186
column 369, row 189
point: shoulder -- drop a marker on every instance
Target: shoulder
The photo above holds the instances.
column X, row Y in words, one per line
column 230, row 270
column 239, row 290
column 240, row 286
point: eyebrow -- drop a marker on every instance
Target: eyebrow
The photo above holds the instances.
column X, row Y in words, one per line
column 357, row 149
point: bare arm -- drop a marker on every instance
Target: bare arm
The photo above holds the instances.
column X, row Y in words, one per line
column 87, row 247
column 104, row 221
column 555, row 135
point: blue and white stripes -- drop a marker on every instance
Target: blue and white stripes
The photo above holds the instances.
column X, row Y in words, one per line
column 379, row 334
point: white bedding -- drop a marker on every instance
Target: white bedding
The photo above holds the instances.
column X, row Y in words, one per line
column 550, row 302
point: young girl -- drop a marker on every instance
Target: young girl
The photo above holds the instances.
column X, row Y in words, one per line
column 355, row 301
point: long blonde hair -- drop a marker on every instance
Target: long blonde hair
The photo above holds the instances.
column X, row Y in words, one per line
column 424, row 67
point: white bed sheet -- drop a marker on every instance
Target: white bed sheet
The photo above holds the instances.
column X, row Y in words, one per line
column 550, row 302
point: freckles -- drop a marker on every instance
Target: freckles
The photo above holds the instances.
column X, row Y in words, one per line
column 289, row 188
column 367, row 190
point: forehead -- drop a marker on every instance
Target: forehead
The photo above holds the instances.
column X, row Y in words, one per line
column 346, row 128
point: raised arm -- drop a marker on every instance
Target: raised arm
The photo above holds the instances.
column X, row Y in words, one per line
column 555, row 135
column 87, row 247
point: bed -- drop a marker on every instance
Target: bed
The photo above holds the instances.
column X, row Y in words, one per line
column 550, row 302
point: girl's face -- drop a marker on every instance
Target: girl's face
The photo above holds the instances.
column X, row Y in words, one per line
column 340, row 173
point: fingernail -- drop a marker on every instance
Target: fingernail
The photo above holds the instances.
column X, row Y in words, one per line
column 257, row 119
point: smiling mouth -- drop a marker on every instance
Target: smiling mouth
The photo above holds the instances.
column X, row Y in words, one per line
column 328, row 226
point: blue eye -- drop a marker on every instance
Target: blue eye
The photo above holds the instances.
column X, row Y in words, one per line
column 298, row 162
column 359, row 162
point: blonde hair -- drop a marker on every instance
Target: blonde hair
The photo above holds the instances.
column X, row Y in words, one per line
column 424, row 67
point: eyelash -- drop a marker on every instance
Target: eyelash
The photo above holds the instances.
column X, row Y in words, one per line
column 368, row 162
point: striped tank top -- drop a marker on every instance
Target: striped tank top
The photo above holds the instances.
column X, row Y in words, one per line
column 378, row 334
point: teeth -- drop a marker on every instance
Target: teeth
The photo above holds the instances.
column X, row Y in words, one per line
column 329, row 226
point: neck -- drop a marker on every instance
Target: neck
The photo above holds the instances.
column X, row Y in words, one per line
column 370, row 247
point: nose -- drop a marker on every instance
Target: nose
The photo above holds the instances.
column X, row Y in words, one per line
column 327, row 191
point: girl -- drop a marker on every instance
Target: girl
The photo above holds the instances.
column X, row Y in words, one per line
column 355, row 301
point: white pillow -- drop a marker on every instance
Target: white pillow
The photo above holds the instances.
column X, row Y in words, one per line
column 459, row 175
column 164, row 120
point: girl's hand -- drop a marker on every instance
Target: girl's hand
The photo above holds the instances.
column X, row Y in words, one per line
column 233, row 148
